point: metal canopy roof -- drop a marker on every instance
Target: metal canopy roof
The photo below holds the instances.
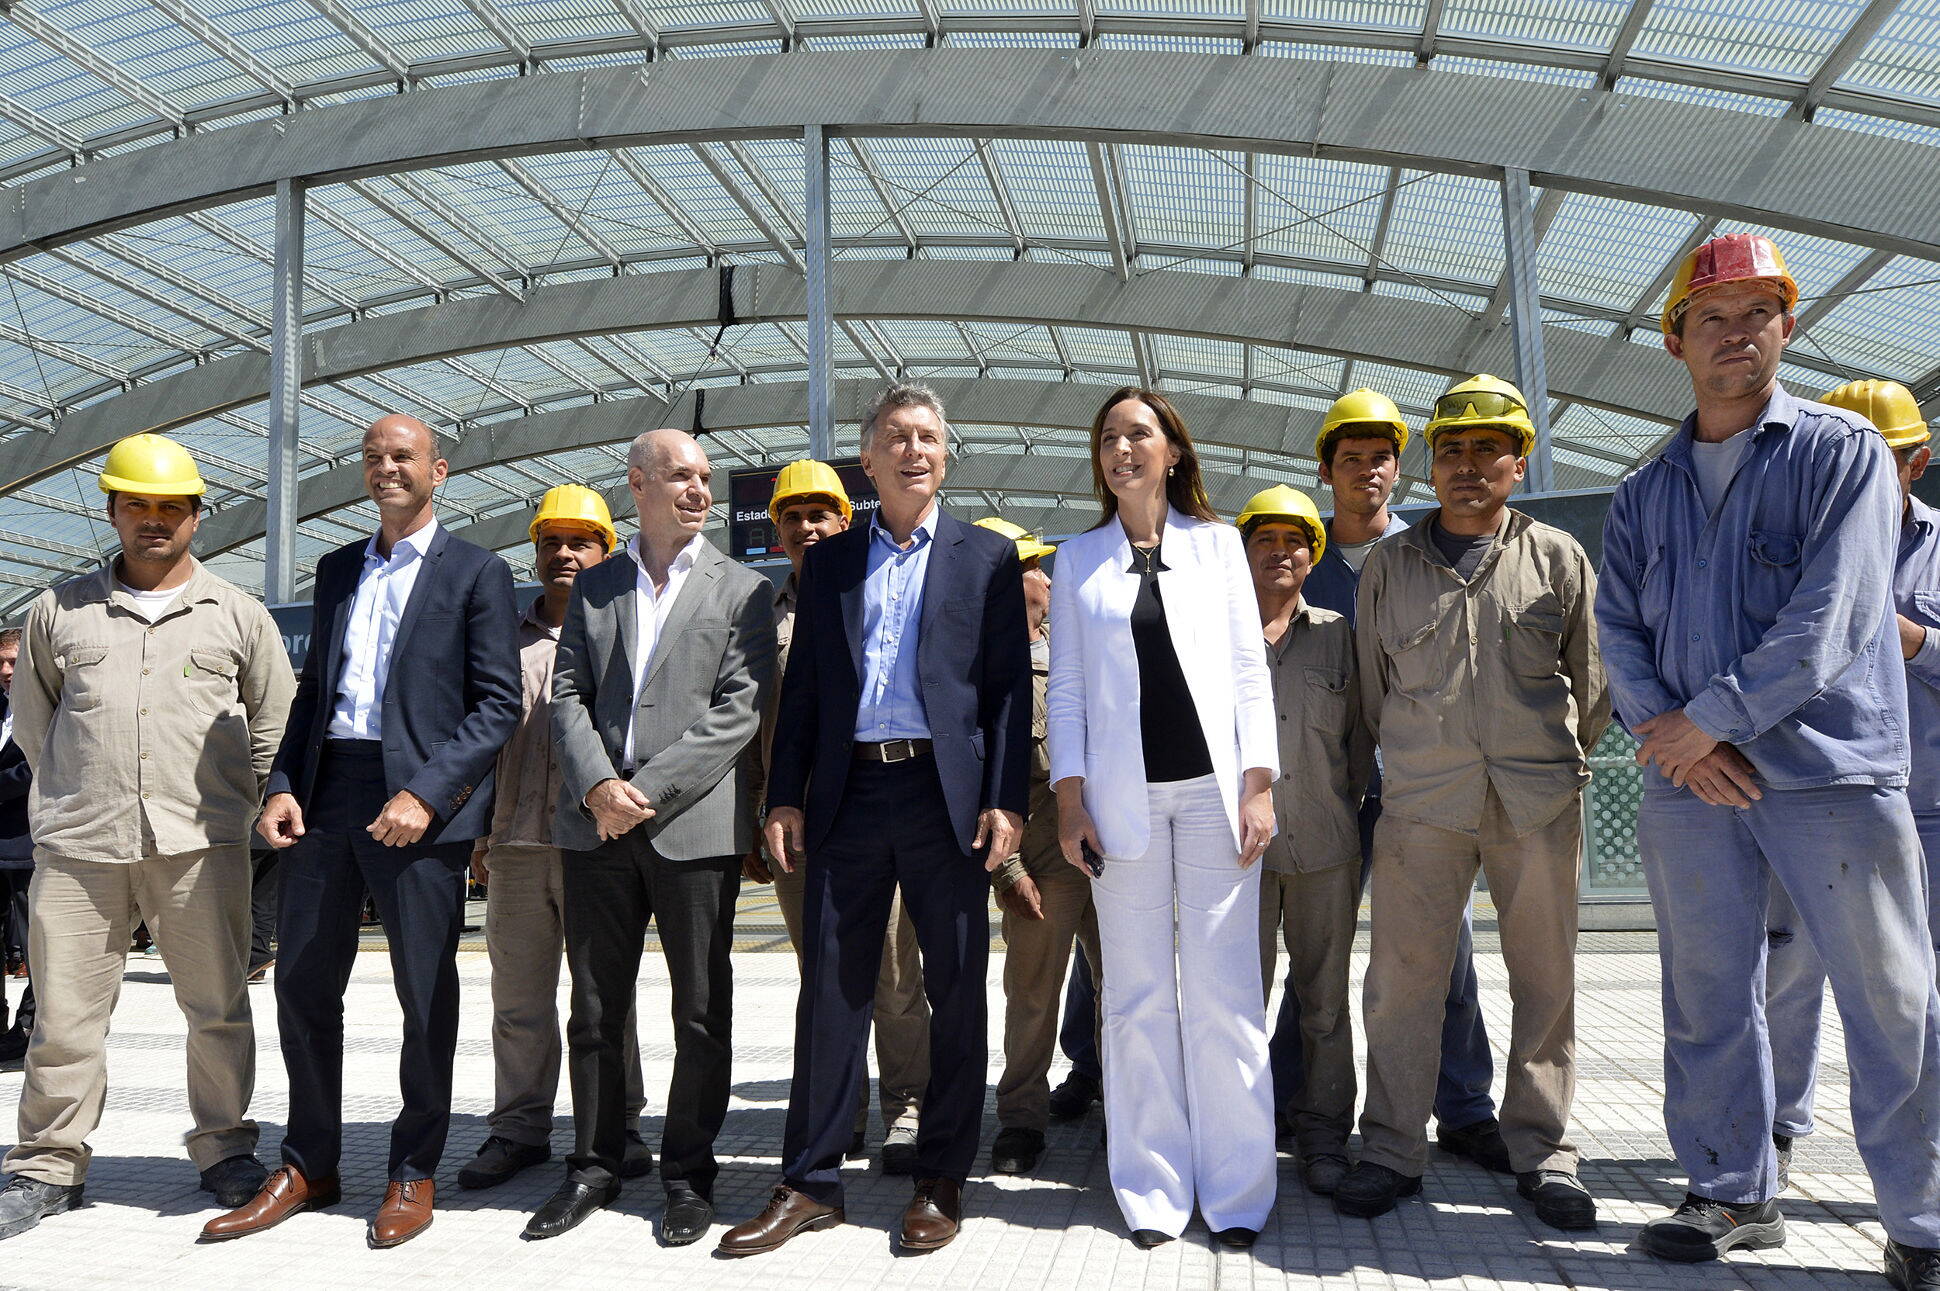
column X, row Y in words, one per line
column 518, row 213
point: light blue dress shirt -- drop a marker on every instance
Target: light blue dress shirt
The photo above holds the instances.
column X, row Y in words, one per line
column 383, row 590
column 1769, row 621
column 892, row 613
column 1916, row 591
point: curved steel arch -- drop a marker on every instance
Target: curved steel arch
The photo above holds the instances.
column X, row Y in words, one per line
column 1786, row 173
column 1062, row 405
column 1614, row 374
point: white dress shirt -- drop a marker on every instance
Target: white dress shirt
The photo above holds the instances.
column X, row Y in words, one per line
column 650, row 611
column 383, row 590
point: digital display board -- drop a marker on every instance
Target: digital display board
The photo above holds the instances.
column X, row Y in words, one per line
column 752, row 535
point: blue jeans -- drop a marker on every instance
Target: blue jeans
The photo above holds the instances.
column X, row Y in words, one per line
column 1849, row 858
column 1078, row 1033
column 1795, row 992
column 1462, row 1085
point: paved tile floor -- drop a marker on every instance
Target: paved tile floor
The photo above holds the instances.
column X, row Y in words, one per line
column 1058, row 1229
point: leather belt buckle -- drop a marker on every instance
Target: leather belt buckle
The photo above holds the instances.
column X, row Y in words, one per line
column 893, row 750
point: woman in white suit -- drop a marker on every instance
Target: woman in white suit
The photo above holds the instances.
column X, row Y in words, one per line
column 1163, row 754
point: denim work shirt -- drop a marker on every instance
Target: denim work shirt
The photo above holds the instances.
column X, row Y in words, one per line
column 1916, row 593
column 892, row 611
column 1771, row 622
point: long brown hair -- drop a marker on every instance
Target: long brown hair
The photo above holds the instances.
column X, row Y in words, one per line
column 1184, row 488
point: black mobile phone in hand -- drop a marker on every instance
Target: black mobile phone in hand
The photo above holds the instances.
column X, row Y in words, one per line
column 1089, row 855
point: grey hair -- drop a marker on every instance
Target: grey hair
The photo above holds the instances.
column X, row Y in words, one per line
column 903, row 394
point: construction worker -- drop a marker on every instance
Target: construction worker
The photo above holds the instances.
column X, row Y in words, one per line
column 149, row 700
column 1747, row 623
column 1310, row 892
column 523, row 870
column 809, row 504
column 1794, row 973
column 1046, row 905
column 1359, row 451
column 1480, row 679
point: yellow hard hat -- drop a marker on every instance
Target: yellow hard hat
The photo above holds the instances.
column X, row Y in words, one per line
column 1888, row 405
column 151, row 464
column 1029, row 545
column 1483, row 402
column 808, row 478
column 575, row 504
column 1735, row 257
column 1288, row 505
column 1361, row 407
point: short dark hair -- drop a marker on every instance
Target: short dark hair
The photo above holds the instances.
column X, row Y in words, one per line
column 1356, row 430
column 9, row 637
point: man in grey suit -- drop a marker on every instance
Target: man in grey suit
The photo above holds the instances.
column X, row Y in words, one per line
column 664, row 660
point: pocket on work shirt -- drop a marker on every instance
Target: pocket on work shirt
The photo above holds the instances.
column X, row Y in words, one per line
column 84, row 676
column 209, row 679
column 1325, row 699
column 1772, row 573
column 1534, row 637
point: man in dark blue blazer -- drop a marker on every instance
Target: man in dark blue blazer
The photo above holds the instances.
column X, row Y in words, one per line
column 383, row 782
column 901, row 756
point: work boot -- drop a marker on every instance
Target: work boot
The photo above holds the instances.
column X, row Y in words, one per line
column 1074, row 1097
column 1703, row 1229
column 500, row 1159
column 1369, row 1190
column 24, row 1202
column 1561, row 1199
column 1912, row 1268
column 1323, row 1172
column 1016, row 1151
column 1782, row 1143
column 234, row 1180
column 1480, row 1142
column 899, row 1150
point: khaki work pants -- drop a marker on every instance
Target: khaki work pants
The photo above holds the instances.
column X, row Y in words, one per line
column 82, row 916
column 902, row 1017
column 1315, row 913
column 525, row 935
column 1420, row 885
column 1037, row 952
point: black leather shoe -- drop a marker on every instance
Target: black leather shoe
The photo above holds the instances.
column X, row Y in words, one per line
column 1782, row 1143
column 1912, row 1268
column 1016, row 1151
column 686, row 1219
column 234, row 1180
column 567, row 1207
column 1074, row 1097
column 1146, row 1238
column 1561, row 1199
column 1369, row 1190
column 24, row 1202
column 638, row 1162
column 1323, row 1172
column 1481, row 1143
column 1703, row 1229
column 1237, row 1239
column 498, row 1160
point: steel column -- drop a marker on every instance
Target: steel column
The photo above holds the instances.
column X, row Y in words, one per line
column 815, row 255
column 285, row 395
column 1526, row 317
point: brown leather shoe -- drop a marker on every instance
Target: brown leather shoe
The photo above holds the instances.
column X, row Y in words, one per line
column 788, row 1212
column 286, row 1192
column 931, row 1218
column 406, row 1212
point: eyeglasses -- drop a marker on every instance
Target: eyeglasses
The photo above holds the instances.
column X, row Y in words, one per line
column 1472, row 404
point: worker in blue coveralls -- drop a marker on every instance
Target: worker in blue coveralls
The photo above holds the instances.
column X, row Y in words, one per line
column 1359, row 455
column 1794, row 974
column 1748, row 631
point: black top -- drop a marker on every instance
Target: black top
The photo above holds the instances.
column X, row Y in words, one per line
column 1168, row 724
column 1462, row 552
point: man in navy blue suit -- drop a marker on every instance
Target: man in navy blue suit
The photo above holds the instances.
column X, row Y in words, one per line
column 383, row 783
column 901, row 756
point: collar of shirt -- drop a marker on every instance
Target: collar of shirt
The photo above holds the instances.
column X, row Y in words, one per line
column 925, row 530
column 532, row 617
column 1920, row 519
column 410, row 547
column 680, row 564
column 1422, row 536
column 785, row 592
column 1779, row 413
column 1302, row 614
column 200, row 587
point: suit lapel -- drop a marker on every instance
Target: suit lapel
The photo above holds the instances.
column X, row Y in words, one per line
column 938, row 575
column 626, row 610
column 853, row 575
column 697, row 587
column 420, row 590
column 330, row 635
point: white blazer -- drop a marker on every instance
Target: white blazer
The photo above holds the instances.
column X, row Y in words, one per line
column 1093, row 695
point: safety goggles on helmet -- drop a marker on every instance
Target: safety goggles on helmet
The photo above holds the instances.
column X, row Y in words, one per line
column 1475, row 405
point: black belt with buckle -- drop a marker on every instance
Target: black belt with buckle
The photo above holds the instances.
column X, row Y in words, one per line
column 892, row 750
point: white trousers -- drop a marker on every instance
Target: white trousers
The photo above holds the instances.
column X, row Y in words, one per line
column 1188, row 1096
